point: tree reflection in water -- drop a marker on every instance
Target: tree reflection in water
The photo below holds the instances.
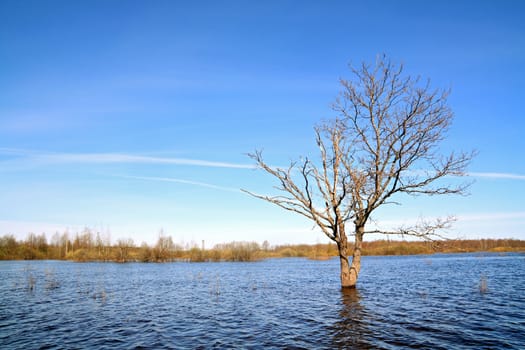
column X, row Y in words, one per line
column 352, row 329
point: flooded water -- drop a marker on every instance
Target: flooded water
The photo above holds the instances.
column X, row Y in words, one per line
column 440, row 301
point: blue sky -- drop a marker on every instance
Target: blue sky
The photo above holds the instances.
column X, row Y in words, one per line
column 130, row 117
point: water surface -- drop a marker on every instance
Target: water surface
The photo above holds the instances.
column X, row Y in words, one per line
column 439, row 301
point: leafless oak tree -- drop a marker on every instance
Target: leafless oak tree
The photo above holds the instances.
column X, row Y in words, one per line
column 384, row 142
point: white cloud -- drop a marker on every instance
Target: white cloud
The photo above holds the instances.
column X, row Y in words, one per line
column 498, row 176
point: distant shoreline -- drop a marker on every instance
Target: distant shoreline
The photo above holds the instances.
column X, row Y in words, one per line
column 92, row 250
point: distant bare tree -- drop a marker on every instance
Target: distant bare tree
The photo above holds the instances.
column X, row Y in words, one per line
column 146, row 253
column 124, row 246
column 83, row 240
column 99, row 244
column 64, row 243
column 103, row 245
column 164, row 247
column 384, row 142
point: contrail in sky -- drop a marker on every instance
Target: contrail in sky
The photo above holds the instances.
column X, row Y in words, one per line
column 181, row 181
column 113, row 158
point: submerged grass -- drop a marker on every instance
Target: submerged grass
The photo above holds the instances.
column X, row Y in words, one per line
column 483, row 284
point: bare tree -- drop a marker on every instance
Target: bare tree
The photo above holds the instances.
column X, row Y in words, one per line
column 65, row 244
column 384, row 142
column 124, row 246
column 164, row 247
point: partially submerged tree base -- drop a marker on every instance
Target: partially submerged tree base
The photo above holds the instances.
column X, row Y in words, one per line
column 349, row 273
column 383, row 143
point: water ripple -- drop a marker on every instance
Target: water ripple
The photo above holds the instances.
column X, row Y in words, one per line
column 432, row 302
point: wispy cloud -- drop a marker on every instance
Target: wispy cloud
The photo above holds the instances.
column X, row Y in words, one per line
column 492, row 216
column 30, row 122
column 470, row 217
column 18, row 152
column 508, row 176
column 181, row 181
column 37, row 157
column 114, row 158
column 128, row 158
column 21, row 228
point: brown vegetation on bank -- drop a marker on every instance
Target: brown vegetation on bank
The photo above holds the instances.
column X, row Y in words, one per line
column 89, row 246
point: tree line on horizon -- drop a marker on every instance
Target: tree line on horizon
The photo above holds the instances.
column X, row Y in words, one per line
column 89, row 246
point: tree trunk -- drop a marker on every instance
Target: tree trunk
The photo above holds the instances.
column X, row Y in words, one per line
column 356, row 256
column 350, row 272
column 347, row 279
column 346, row 275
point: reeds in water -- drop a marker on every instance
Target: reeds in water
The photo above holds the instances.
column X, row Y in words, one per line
column 483, row 285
